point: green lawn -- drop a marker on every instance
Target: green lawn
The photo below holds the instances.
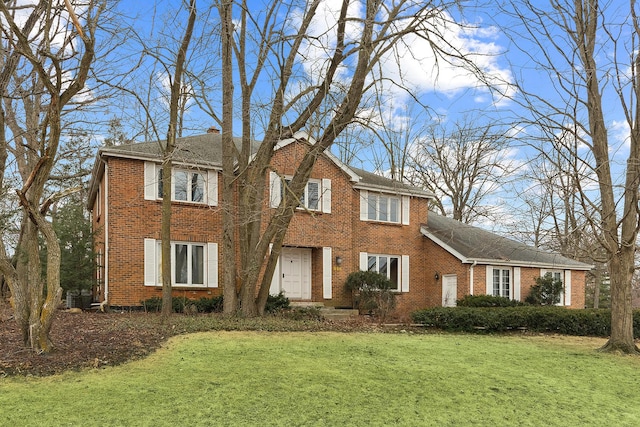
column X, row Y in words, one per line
column 337, row 379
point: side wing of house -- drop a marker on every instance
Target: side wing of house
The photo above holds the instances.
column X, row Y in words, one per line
column 471, row 261
column 127, row 216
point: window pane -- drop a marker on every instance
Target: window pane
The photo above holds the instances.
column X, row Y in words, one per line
column 394, row 209
column 182, row 274
column 197, row 187
column 382, row 266
column 372, row 203
column 372, row 264
column 383, row 206
column 160, row 183
column 313, row 190
column 394, row 271
column 181, row 182
column 197, row 265
column 506, row 283
column 496, row 282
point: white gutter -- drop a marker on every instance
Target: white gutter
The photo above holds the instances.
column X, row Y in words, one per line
column 106, row 233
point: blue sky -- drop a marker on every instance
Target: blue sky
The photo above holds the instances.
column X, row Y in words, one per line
column 450, row 92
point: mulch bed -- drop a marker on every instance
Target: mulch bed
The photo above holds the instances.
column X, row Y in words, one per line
column 81, row 340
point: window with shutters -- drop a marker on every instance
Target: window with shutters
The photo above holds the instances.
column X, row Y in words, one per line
column 388, row 265
column 188, row 186
column 383, row 208
column 188, row 261
column 310, row 198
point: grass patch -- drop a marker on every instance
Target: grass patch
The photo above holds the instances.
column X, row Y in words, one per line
column 324, row 378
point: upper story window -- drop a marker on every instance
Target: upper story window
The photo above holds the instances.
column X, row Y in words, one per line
column 187, row 186
column 310, row 198
column 384, row 207
column 315, row 197
column 193, row 186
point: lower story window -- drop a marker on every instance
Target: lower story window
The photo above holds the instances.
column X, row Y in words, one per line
column 187, row 263
column 388, row 265
column 501, row 282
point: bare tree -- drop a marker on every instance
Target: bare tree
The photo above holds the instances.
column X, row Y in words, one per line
column 45, row 64
column 266, row 46
column 566, row 42
column 463, row 167
column 167, row 157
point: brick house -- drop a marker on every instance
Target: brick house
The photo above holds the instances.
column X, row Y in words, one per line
column 352, row 220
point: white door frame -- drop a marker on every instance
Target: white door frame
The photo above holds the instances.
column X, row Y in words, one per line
column 299, row 260
column 449, row 290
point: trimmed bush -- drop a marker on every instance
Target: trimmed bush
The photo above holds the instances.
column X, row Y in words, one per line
column 185, row 305
column 486, row 301
column 588, row 322
column 373, row 293
column 277, row 303
column 152, row 305
column 210, row 305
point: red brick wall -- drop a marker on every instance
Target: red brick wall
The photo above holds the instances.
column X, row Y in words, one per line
column 132, row 219
column 528, row 276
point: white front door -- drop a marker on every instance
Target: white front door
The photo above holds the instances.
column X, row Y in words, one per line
column 449, row 290
column 295, row 273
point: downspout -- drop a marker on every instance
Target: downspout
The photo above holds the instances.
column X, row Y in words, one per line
column 475, row 262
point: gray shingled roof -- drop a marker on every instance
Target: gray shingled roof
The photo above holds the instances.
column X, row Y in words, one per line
column 197, row 149
column 374, row 181
column 205, row 149
column 471, row 244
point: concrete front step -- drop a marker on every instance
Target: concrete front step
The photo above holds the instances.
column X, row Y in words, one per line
column 331, row 313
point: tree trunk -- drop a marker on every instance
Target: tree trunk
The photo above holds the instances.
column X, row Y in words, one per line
column 596, row 288
column 229, row 200
column 621, row 339
column 165, row 232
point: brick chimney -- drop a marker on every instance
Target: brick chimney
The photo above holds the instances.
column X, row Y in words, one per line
column 213, row 129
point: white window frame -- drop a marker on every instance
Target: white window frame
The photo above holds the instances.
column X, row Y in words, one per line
column 189, row 263
column 153, row 264
column 402, row 212
column 379, row 208
column 277, row 189
column 388, row 258
column 304, row 199
column 153, row 184
column 503, row 287
column 189, row 187
column 562, row 276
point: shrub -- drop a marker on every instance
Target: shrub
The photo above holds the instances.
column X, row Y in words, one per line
column 152, row 305
column 210, row 305
column 373, row 293
column 183, row 305
column 178, row 305
column 277, row 303
column 486, row 301
column 546, row 291
column 588, row 322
